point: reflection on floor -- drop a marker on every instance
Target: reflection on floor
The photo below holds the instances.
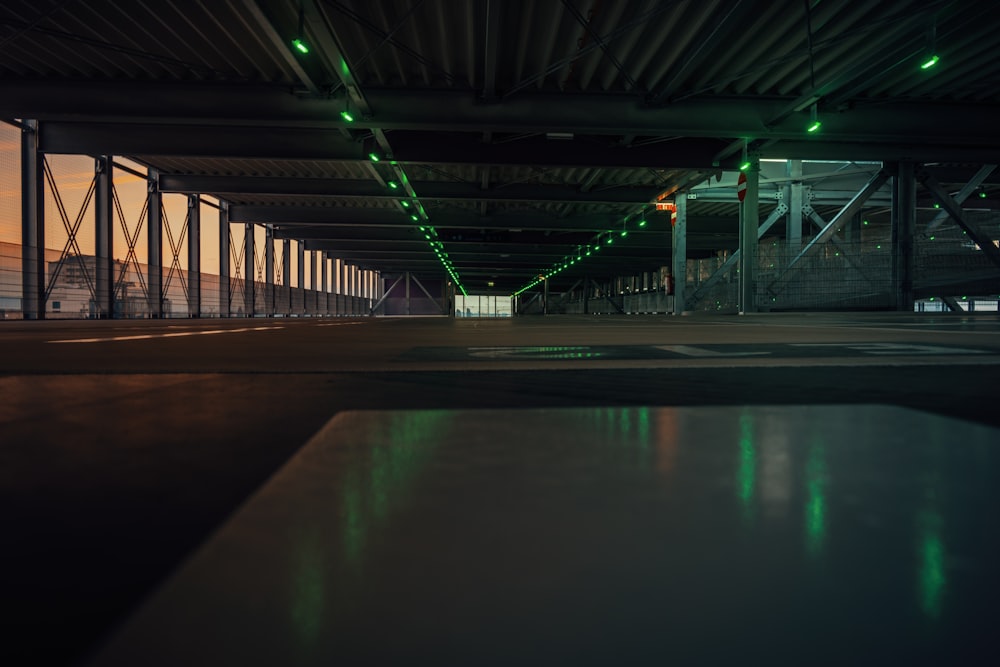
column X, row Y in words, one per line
column 849, row 534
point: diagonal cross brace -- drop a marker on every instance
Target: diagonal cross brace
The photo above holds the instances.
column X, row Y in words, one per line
column 832, row 227
column 954, row 210
column 963, row 194
column 703, row 288
column 607, row 297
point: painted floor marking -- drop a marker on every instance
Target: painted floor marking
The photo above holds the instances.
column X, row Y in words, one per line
column 175, row 334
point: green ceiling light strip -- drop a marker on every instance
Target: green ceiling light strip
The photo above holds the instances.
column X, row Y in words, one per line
column 410, row 204
column 582, row 252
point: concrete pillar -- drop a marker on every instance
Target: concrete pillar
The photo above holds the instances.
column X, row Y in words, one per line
column 678, row 261
column 224, row 291
column 104, row 217
column 32, row 224
column 154, row 239
column 903, row 222
column 194, row 255
column 749, row 225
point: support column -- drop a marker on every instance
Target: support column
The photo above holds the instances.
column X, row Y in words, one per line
column 249, row 261
column 793, row 233
column 678, row 262
column 32, row 224
column 286, row 273
column 407, row 292
column 194, row 255
column 324, row 283
column 312, row 278
column 749, row 223
column 302, row 273
column 154, row 239
column 269, row 304
column 224, row 259
column 104, row 216
column 545, row 296
column 903, row 222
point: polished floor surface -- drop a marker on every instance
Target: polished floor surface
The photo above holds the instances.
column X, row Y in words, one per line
column 828, row 535
column 124, row 445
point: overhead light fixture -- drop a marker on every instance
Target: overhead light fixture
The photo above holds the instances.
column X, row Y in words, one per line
column 347, row 116
column 393, row 185
column 374, row 157
column 298, row 43
column 814, row 121
column 744, row 158
column 931, row 58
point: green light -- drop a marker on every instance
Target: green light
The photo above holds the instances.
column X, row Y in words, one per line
column 642, row 223
column 982, row 194
column 965, row 298
column 405, row 204
column 878, row 246
column 588, row 253
column 865, row 222
column 393, row 185
column 930, row 62
column 374, row 157
column 414, row 217
column 814, row 126
column 346, row 115
column 300, row 46
column 931, row 238
column 936, row 205
column 611, row 240
column 744, row 166
column 624, row 233
column 932, row 298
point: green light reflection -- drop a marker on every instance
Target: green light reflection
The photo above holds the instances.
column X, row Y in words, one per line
column 815, row 513
column 932, row 574
column 746, row 476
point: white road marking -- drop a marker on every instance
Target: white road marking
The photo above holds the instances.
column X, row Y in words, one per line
column 692, row 351
column 175, row 334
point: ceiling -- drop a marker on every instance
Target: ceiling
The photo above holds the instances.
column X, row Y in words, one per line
column 517, row 131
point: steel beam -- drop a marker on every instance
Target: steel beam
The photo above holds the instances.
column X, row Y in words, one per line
column 904, row 222
column 838, row 221
column 384, row 296
column 32, row 224
column 194, row 255
column 432, row 190
column 954, row 210
column 280, row 36
column 286, row 272
column 104, row 216
column 154, row 240
column 428, row 294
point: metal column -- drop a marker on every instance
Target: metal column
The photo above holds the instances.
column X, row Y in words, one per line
column 249, row 260
column 312, row 278
column 104, row 216
column 302, row 274
column 545, row 296
column 194, row 255
column 286, row 273
column 407, row 292
column 324, row 283
column 224, row 259
column 749, row 222
column 154, row 239
column 32, row 224
column 269, row 270
column 903, row 222
column 679, row 247
column 795, row 200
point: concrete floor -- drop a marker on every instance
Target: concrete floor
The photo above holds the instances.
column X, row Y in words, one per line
column 128, row 443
